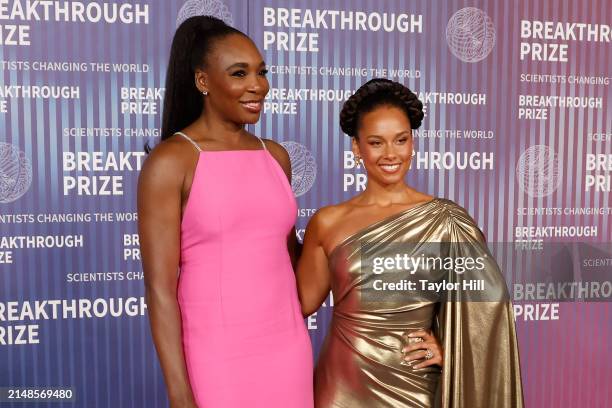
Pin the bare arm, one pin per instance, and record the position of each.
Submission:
(159, 217)
(313, 275)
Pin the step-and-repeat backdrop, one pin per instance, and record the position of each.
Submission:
(517, 130)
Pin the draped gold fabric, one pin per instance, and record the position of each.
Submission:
(361, 363)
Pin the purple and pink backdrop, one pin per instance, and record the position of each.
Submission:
(517, 130)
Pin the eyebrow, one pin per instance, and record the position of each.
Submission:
(398, 134)
(244, 65)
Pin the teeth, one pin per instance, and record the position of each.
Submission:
(390, 167)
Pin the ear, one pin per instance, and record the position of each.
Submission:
(355, 146)
(201, 80)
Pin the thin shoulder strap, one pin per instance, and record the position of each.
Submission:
(262, 143)
(190, 140)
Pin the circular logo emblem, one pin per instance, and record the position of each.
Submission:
(538, 171)
(470, 34)
(214, 8)
(15, 173)
(303, 167)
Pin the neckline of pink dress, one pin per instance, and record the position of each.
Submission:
(195, 174)
(233, 151)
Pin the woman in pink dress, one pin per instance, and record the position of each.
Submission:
(216, 223)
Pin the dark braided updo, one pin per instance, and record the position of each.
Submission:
(375, 93)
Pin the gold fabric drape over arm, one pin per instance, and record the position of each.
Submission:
(481, 366)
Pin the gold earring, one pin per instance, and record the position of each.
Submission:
(357, 160)
(410, 163)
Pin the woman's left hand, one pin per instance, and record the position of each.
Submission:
(429, 347)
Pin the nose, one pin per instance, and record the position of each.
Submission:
(390, 152)
(257, 85)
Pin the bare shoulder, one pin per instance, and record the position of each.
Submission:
(166, 162)
(327, 218)
(280, 154)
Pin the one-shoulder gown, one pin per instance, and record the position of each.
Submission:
(361, 363)
(244, 338)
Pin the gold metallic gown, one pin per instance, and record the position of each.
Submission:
(361, 363)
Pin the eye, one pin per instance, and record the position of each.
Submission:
(402, 140)
(375, 143)
(239, 74)
(263, 72)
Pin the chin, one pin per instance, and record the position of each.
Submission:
(394, 180)
(250, 119)
(385, 179)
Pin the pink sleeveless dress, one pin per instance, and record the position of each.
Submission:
(244, 338)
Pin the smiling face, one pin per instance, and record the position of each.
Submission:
(384, 142)
(235, 78)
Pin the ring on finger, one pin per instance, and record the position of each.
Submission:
(429, 354)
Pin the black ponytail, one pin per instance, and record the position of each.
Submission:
(191, 45)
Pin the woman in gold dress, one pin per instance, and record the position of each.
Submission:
(413, 346)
